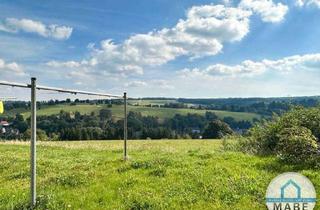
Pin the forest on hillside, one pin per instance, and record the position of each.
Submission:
(102, 124)
(263, 106)
(77, 126)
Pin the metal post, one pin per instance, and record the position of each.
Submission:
(125, 126)
(33, 142)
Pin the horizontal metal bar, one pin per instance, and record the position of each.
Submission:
(62, 90)
(14, 84)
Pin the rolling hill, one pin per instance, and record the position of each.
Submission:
(117, 111)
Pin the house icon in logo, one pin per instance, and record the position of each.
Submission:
(291, 183)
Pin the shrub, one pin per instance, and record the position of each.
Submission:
(297, 145)
(263, 138)
(41, 135)
(217, 130)
(293, 137)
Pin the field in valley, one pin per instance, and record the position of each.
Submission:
(117, 111)
(177, 174)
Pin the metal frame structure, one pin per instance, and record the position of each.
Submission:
(34, 87)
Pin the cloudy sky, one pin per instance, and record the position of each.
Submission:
(172, 48)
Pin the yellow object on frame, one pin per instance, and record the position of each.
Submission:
(1, 107)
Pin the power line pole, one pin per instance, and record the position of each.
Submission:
(125, 126)
(33, 158)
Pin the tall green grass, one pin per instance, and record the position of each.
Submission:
(181, 174)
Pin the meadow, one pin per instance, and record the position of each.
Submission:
(176, 174)
(117, 111)
(142, 102)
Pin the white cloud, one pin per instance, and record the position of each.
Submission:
(134, 84)
(12, 69)
(13, 25)
(70, 64)
(153, 84)
(225, 24)
(309, 62)
(59, 32)
(306, 62)
(292, 75)
(162, 84)
(202, 33)
(267, 9)
(302, 3)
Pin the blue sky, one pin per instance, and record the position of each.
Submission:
(222, 48)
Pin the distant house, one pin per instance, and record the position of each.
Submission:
(3, 126)
(4, 123)
(196, 131)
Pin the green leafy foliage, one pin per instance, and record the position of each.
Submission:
(294, 136)
(104, 126)
(216, 130)
(297, 145)
(41, 135)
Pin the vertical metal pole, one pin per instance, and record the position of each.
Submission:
(125, 126)
(33, 142)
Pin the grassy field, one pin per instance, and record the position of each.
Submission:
(180, 174)
(117, 111)
(151, 101)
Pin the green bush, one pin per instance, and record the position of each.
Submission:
(41, 135)
(217, 130)
(297, 145)
(293, 137)
(263, 138)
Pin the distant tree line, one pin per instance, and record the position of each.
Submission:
(263, 106)
(102, 125)
(25, 105)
